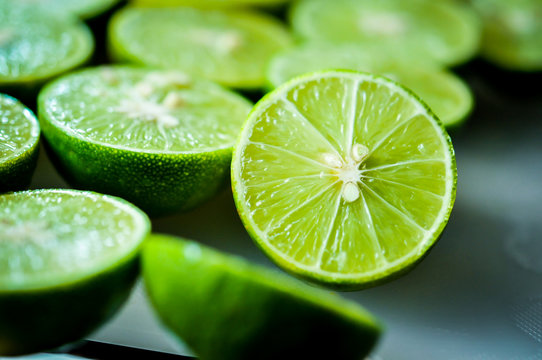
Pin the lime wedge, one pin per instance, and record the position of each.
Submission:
(210, 4)
(447, 95)
(512, 35)
(225, 308)
(157, 138)
(444, 31)
(343, 178)
(19, 144)
(36, 45)
(68, 260)
(85, 9)
(231, 48)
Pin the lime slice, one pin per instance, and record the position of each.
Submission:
(154, 137)
(443, 31)
(343, 178)
(512, 33)
(225, 308)
(19, 144)
(210, 4)
(447, 95)
(85, 9)
(231, 48)
(68, 260)
(36, 45)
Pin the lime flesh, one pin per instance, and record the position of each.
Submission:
(82, 8)
(19, 144)
(157, 138)
(344, 178)
(68, 260)
(231, 48)
(225, 308)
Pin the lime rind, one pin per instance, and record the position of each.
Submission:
(346, 281)
(56, 254)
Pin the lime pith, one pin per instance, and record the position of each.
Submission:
(344, 178)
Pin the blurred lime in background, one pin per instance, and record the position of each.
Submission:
(210, 4)
(84, 9)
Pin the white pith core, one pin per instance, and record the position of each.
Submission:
(36, 232)
(383, 24)
(224, 42)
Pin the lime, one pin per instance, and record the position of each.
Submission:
(447, 95)
(231, 48)
(210, 4)
(36, 45)
(443, 31)
(68, 260)
(512, 35)
(343, 178)
(225, 308)
(157, 138)
(84, 9)
(19, 144)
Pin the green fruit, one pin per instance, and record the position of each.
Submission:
(210, 4)
(19, 144)
(68, 261)
(343, 178)
(225, 308)
(157, 138)
(84, 9)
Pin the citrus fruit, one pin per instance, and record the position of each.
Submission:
(231, 48)
(447, 95)
(36, 45)
(210, 4)
(343, 178)
(19, 144)
(225, 308)
(443, 31)
(84, 9)
(157, 138)
(512, 36)
(68, 260)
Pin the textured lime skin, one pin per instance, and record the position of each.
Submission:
(342, 284)
(225, 308)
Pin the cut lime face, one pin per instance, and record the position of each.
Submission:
(447, 95)
(512, 33)
(231, 48)
(443, 31)
(36, 45)
(210, 4)
(84, 9)
(157, 138)
(343, 178)
(68, 260)
(225, 308)
(19, 144)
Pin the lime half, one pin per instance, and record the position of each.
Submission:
(447, 95)
(157, 138)
(68, 260)
(231, 48)
(225, 308)
(344, 178)
(85, 9)
(444, 31)
(36, 45)
(210, 4)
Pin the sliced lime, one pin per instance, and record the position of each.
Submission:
(447, 95)
(68, 260)
(19, 144)
(157, 138)
(231, 48)
(84, 9)
(225, 308)
(344, 178)
(210, 4)
(444, 31)
(36, 45)
(512, 33)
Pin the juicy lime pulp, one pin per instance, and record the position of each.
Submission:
(210, 4)
(447, 95)
(36, 45)
(343, 178)
(444, 31)
(231, 48)
(19, 142)
(57, 237)
(226, 308)
(157, 138)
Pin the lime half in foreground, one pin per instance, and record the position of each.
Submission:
(344, 178)
(227, 309)
(68, 260)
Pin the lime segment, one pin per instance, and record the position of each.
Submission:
(343, 178)
(231, 48)
(225, 308)
(19, 143)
